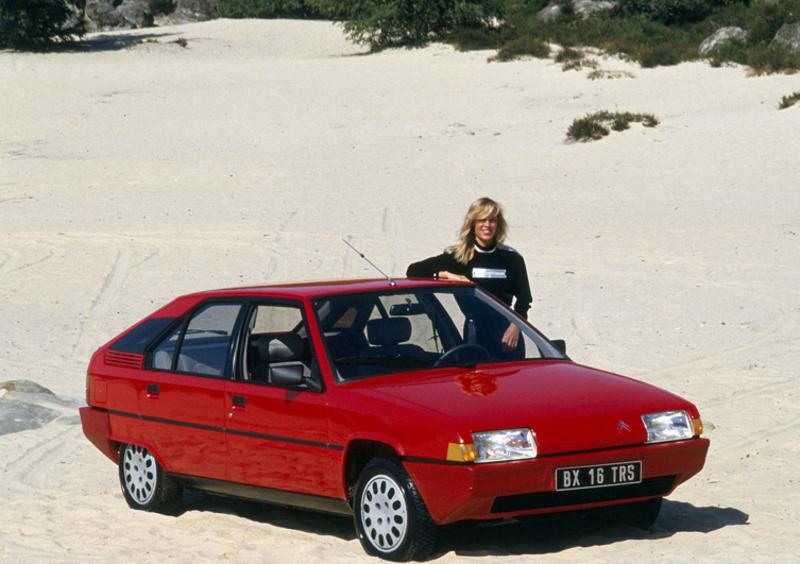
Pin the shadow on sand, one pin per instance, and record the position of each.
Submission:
(109, 41)
(470, 539)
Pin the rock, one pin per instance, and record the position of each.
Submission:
(26, 405)
(721, 36)
(583, 8)
(16, 417)
(24, 386)
(789, 35)
(106, 15)
(137, 12)
(550, 13)
(187, 11)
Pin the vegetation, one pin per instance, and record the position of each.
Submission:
(596, 126)
(36, 24)
(789, 101)
(650, 32)
(266, 9)
(161, 7)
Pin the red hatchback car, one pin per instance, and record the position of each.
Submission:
(395, 402)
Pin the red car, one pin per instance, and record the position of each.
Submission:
(395, 402)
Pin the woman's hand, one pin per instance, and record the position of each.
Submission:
(444, 275)
(510, 338)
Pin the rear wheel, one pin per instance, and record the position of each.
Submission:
(391, 519)
(144, 483)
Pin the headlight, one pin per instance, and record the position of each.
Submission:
(668, 426)
(509, 444)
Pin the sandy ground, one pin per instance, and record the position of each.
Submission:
(137, 170)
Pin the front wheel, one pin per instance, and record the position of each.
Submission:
(144, 483)
(391, 518)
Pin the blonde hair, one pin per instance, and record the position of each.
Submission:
(482, 208)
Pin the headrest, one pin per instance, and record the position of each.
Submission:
(281, 348)
(391, 331)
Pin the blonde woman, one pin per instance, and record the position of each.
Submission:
(481, 258)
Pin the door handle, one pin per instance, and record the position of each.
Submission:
(153, 389)
(240, 401)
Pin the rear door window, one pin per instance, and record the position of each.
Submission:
(206, 344)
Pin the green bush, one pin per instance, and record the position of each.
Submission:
(265, 9)
(522, 47)
(671, 11)
(31, 24)
(161, 7)
(596, 126)
(772, 58)
(383, 23)
(789, 101)
(764, 19)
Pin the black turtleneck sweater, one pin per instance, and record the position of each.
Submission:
(499, 271)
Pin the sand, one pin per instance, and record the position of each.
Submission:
(137, 169)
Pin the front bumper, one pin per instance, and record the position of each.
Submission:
(510, 489)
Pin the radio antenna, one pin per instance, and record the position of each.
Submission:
(391, 282)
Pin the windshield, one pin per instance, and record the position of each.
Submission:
(376, 333)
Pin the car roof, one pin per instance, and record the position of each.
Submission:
(324, 288)
(298, 291)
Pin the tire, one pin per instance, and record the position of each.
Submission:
(144, 483)
(391, 518)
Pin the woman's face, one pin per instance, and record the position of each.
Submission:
(485, 230)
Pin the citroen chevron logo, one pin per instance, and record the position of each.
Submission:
(622, 427)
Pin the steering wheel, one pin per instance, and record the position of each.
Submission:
(458, 348)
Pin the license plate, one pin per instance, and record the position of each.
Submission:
(600, 476)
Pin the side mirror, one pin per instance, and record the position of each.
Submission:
(290, 375)
(561, 345)
(287, 375)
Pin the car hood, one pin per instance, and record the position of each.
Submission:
(569, 407)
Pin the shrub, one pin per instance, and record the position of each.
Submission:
(26, 24)
(265, 9)
(789, 101)
(772, 58)
(476, 39)
(595, 126)
(671, 11)
(161, 7)
(764, 19)
(383, 23)
(522, 47)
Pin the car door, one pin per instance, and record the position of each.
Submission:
(182, 400)
(277, 436)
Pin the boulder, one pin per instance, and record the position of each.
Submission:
(137, 12)
(550, 13)
(583, 8)
(187, 11)
(789, 35)
(721, 36)
(106, 15)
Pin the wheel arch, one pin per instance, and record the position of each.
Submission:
(358, 453)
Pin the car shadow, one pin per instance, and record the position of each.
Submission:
(546, 536)
(559, 534)
(313, 522)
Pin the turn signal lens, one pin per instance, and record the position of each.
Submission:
(461, 453)
(698, 427)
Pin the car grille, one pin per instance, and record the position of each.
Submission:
(544, 500)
